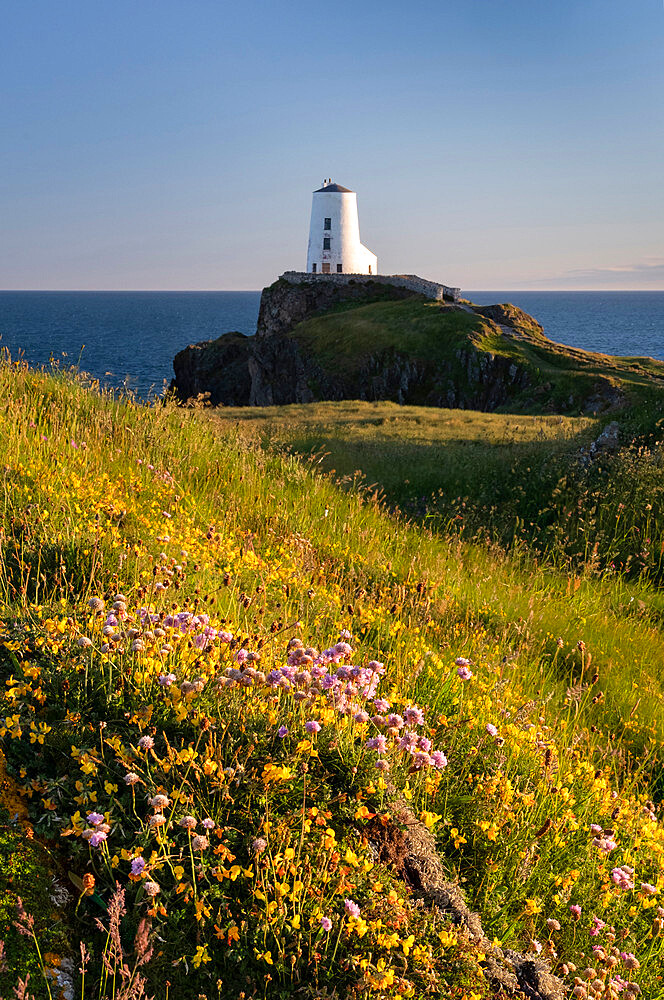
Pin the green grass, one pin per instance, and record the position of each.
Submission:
(453, 341)
(178, 513)
(413, 452)
(513, 478)
(424, 330)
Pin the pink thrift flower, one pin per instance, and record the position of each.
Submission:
(461, 661)
(351, 908)
(137, 866)
(414, 716)
(94, 819)
(408, 742)
(97, 838)
(312, 726)
(464, 673)
(622, 877)
(326, 924)
(281, 732)
(575, 910)
(605, 844)
(421, 759)
(491, 729)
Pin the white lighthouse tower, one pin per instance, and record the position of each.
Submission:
(334, 234)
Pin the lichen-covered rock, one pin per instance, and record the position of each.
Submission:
(406, 845)
(515, 319)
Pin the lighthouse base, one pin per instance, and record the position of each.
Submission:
(430, 289)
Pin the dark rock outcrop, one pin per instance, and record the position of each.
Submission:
(270, 369)
(215, 367)
(284, 305)
(276, 371)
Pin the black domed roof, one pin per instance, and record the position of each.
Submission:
(334, 187)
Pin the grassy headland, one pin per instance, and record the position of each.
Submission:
(164, 733)
(460, 347)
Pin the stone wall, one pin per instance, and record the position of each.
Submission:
(431, 289)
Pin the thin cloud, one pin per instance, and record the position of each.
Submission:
(652, 268)
(647, 272)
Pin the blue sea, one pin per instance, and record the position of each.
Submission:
(129, 339)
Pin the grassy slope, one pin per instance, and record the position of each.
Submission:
(516, 478)
(341, 339)
(413, 452)
(94, 491)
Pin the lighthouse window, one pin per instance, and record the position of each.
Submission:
(328, 224)
(326, 243)
(313, 268)
(339, 271)
(326, 268)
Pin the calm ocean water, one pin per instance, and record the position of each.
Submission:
(131, 337)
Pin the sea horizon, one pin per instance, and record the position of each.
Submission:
(214, 291)
(128, 339)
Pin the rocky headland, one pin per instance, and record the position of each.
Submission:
(368, 340)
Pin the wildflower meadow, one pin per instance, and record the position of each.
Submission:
(262, 737)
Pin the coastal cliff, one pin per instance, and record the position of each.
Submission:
(369, 341)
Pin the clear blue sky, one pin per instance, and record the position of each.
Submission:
(175, 144)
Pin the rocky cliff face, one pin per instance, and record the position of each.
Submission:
(270, 369)
(278, 366)
(276, 371)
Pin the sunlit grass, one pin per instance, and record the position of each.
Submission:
(180, 515)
